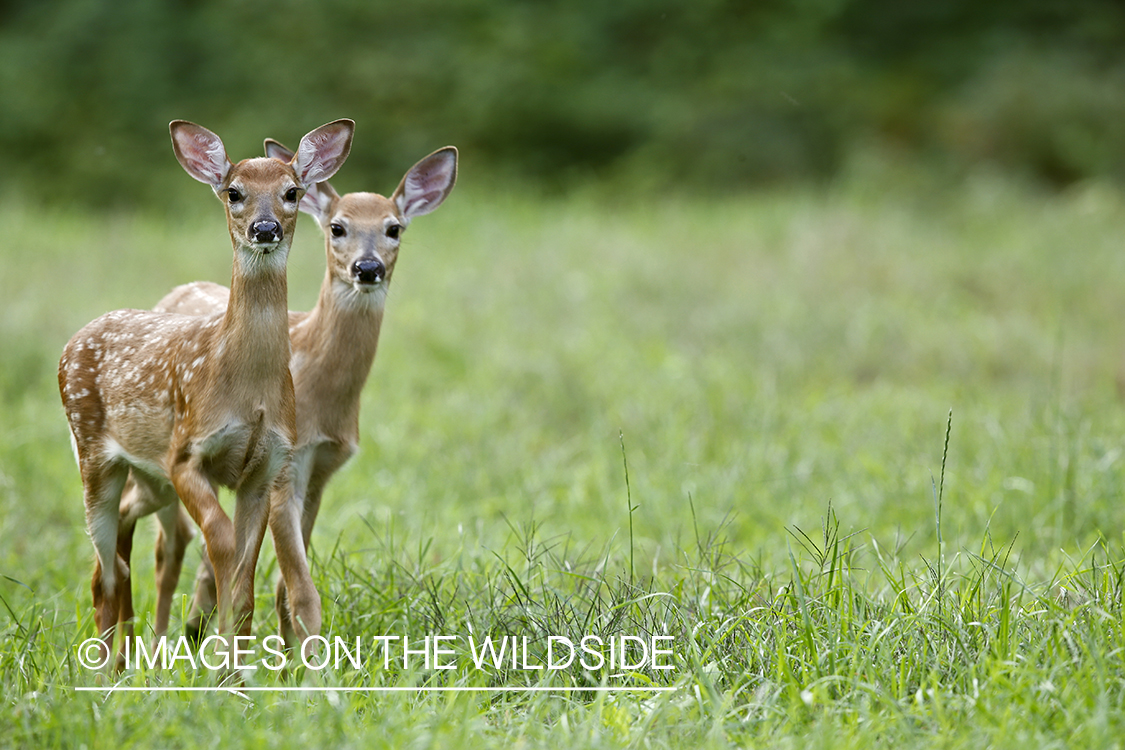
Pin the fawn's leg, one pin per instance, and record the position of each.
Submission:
(102, 484)
(205, 600)
(202, 504)
(298, 603)
(307, 498)
(173, 535)
(251, 514)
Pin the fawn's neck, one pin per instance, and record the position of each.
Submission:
(254, 332)
(337, 343)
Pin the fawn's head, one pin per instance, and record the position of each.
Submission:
(261, 195)
(363, 230)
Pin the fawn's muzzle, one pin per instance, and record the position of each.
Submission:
(265, 232)
(369, 270)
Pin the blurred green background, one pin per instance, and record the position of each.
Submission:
(708, 94)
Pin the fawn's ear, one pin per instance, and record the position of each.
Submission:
(317, 200)
(200, 152)
(275, 150)
(322, 152)
(427, 184)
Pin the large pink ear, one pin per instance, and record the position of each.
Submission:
(427, 184)
(317, 200)
(200, 152)
(322, 152)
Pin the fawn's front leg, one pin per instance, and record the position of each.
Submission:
(311, 477)
(302, 617)
(251, 515)
(202, 504)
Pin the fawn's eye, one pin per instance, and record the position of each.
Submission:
(336, 229)
(291, 194)
(393, 231)
(233, 195)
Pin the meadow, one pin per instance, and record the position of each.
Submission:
(857, 447)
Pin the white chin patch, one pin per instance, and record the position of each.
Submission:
(372, 294)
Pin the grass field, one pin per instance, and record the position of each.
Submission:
(873, 443)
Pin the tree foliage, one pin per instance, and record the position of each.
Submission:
(716, 93)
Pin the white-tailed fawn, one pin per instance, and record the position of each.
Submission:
(184, 404)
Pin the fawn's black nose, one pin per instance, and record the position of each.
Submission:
(265, 231)
(369, 270)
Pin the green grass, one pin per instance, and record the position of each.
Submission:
(777, 371)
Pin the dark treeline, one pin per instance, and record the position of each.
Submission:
(714, 93)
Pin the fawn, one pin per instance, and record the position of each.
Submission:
(333, 349)
(183, 404)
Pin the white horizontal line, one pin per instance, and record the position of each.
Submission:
(448, 689)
